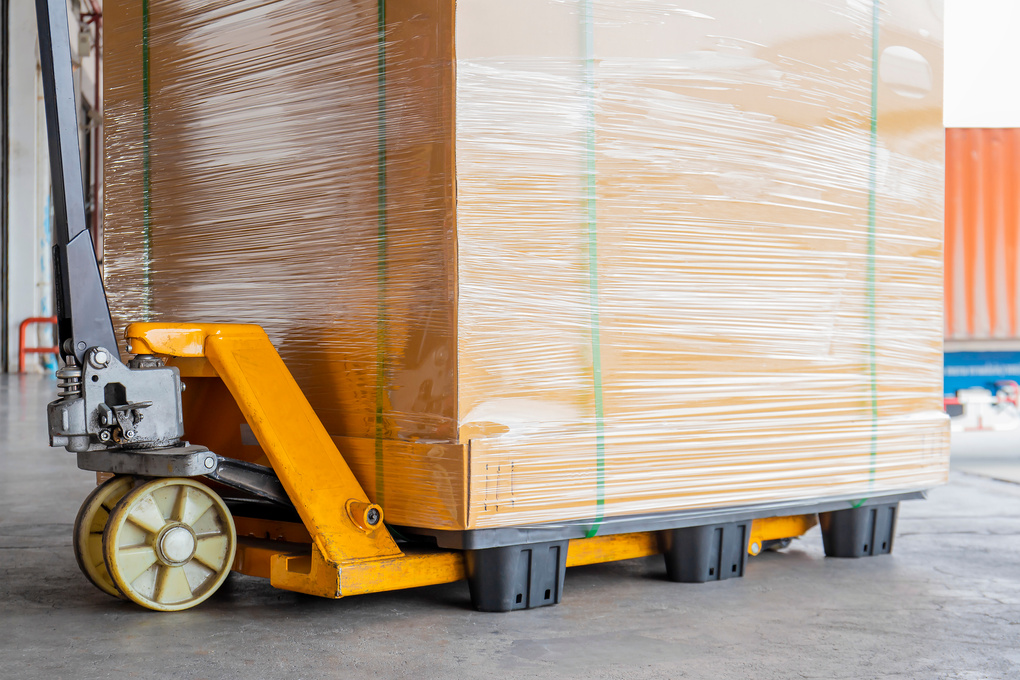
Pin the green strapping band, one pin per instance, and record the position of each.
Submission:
(872, 190)
(146, 169)
(380, 328)
(876, 12)
(593, 282)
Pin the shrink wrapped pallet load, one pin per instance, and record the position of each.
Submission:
(552, 262)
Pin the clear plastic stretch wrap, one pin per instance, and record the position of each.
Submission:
(551, 260)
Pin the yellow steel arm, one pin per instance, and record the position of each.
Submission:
(322, 487)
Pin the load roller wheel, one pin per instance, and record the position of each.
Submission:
(88, 531)
(169, 544)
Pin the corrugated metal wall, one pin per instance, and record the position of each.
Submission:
(982, 233)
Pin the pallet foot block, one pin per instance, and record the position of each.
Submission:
(517, 576)
(708, 553)
(859, 532)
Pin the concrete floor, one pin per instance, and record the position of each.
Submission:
(989, 454)
(946, 604)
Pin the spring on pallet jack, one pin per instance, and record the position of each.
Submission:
(69, 382)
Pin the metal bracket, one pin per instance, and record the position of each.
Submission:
(177, 461)
(189, 461)
(103, 405)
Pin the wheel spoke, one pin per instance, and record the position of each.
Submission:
(172, 585)
(194, 505)
(182, 498)
(133, 562)
(146, 514)
(94, 545)
(212, 551)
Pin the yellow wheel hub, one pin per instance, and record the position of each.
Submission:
(88, 531)
(170, 544)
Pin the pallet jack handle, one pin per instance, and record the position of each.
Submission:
(82, 311)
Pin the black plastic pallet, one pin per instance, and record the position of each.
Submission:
(530, 574)
(478, 539)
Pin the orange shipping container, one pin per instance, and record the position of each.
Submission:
(982, 234)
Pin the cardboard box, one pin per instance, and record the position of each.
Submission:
(560, 259)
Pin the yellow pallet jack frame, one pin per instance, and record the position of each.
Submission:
(336, 551)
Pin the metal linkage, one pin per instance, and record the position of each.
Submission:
(258, 480)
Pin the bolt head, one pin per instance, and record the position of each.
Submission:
(81, 345)
(99, 358)
(755, 548)
(104, 435)
(129, 434)
(209, 463)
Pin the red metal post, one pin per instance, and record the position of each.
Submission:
(22, 350)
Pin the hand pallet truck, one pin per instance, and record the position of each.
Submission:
(164, 530)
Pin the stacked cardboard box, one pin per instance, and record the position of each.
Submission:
(553, 260)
